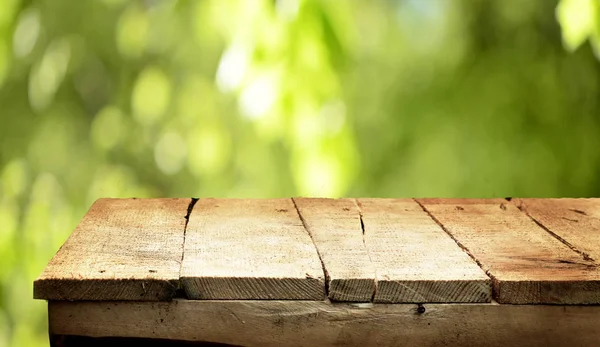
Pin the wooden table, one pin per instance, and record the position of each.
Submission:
(325, 272)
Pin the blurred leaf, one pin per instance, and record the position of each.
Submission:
(48, 74)
(132, 31)
(26, 32)
(576, 18)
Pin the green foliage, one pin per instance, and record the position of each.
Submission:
(580, 20)
(280, 98)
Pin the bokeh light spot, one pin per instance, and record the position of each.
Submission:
(132, 31)
(318, 174)
(210, 148)
(151, 95)
(258, 97)
(288, 9)
(232, 68)
(576, 18)
(333, 116)
(26, 33)
(49, 73)
(195, 101)
(108, 128)
(170, 153)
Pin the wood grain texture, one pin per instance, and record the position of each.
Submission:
(335, 227)
(250, 249)
(576, 222)
(318, 323)
(123, 249)
(415, 260)
(526, 263)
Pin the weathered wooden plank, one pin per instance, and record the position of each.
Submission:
(250, 249)
(123, 249)
(318, 323)
(526, 263)
(576, 222)
(335, 227)
(415, 260)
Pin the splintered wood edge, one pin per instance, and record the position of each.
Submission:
(312, 323)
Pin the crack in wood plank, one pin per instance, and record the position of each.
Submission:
(462, 247)
(362, 226)
(325, 273)
(180, 291)
(523, 207)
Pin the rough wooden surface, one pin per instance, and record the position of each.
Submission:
(318, 323)
(250, 249)
(416, 261)
(123, 249)
(527, 264)
(575, 222)
(335, 227)
(535, 251)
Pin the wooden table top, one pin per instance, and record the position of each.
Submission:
(519, 251)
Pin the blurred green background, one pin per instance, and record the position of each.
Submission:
(282, 98)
